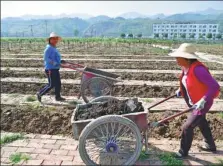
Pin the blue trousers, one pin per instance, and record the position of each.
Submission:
(54, 81)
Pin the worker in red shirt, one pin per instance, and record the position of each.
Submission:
(198, 88)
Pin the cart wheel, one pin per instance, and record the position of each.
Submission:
(104, 98)
(95, 87)
(110, 140)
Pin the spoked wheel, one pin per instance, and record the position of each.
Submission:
(95, 87)
(110, 140)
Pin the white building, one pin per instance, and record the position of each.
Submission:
(186, 30)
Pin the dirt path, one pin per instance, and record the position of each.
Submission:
(64, 74)
(148, 65)
(108, 70)
(172, 104)
(77, 82)
(69, 56)
(204, 56)
(102, 60)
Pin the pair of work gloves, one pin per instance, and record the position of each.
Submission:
(197, 106)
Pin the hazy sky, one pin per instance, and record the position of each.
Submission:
(110, 8)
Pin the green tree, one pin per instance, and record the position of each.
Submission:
(156, 35)
(175, 36)
(209, 35)
(123, 35)
(183, 36)
(192, 36)
(218, 36)
(200, 36)
(130, 35)
(76, 32)
(139, 35)
(165, 35)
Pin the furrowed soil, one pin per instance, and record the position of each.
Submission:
(44, 120)
(93, 56)
(124, 76)
(173, 127)
(150, 65)
(143, 91)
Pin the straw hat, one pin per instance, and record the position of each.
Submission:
(186, 50)
(53, 34)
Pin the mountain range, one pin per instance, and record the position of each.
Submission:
(128, 15)
(102, 25)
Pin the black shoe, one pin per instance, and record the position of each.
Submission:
(60, 99)
(38, 97)
(180, 155)
(204, 148)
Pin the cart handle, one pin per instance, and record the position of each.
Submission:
(154, 124)
(170, 97)
(69, 63)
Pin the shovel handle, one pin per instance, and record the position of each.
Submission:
(175, 115)
(170, 97)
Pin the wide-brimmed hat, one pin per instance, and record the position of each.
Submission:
(186, 50)
(53, 34)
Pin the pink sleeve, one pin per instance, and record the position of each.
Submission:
(205, 77)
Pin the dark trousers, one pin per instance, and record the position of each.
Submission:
(53, 76)
(188, 132)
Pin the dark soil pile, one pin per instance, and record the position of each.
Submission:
(36, 120)
(95, 110)
(172, 129)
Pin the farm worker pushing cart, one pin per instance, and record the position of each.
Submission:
(199, 89)
(52, 62)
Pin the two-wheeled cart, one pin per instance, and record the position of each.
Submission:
(94, 83)
(113, 139)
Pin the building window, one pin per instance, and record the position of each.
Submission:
(194, 26)
(204, 26)
(214, 30)
(210, 26)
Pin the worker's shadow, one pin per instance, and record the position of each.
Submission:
(154, 153)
